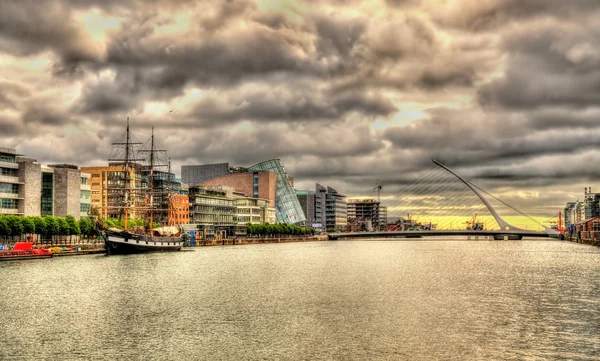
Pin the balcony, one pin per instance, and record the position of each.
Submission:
(9, 165)
(10, 196)
(9, 211)
(85, 187)
(9, 179)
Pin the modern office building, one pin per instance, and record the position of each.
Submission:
(307, 203)
(253, 210)
(259, 184)
(196, 174)
(287, 207)
(30, 189)
(66, 190)
(330, 208)
(254, 182)
(85, 202)
(106, 186)
(592, 203)
(12, 190)
(212, 212)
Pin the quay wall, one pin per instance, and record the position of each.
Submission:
(261, 240)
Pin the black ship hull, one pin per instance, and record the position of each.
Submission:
(128, 243)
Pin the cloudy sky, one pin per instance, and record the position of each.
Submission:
(346, 93)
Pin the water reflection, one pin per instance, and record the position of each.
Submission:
(414, 300)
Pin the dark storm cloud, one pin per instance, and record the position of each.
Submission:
(549, 64)
(281, 105)
(325, 88)
(28, 27)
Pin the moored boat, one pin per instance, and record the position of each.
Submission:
(162, 239)
(23, 251)
(140, 239)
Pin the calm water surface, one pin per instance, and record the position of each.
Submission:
(359, 300)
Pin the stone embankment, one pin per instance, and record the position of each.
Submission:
(590, 241)
(256, 240)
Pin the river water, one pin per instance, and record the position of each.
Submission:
(343, 300)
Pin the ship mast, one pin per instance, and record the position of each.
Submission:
(126, 177)
(154, 161)
(124, 158)
(151, 179)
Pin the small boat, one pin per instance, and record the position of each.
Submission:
(24, 250)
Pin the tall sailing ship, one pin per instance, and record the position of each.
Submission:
(140, 190)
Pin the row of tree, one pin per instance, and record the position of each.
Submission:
(46, 227)
(267, 229)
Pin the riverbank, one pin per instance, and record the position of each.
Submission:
(591, 242)
(253, 240)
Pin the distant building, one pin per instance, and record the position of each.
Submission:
(28, 188)
(179, 209)
(85, 200)
(367, 214)
(212, 212)
(106, 187)
(196, 174)
(330, 208)
(307, 203)
(66, 190)
(286, 203)
(108, 182)
(259, 184)
(569, 214)
(592, 204)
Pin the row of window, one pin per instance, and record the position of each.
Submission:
(9, 188)
(8, 158)
(9, 204)
(9, 172)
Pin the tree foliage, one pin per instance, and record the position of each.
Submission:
(277, 229)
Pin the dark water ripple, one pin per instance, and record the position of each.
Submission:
(371, 300)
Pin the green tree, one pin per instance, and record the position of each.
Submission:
(73, 226)
(28, 225)
(15, 225)
(51, 227)
(86, 227)
(63, 227)
(40, 226)
(4, 228)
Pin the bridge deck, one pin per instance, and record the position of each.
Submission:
(408, 234)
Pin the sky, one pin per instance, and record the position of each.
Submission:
(349, 94)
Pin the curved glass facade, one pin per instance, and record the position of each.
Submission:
(287, 206)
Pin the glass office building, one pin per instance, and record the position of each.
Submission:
(287, 206)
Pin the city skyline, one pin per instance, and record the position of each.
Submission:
(346, 93)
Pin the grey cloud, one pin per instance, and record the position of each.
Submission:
(281, 105)
(549, 64)
(490, 15)
(31, 27)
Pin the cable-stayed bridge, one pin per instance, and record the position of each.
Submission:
(442, 203)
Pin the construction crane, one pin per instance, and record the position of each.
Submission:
(473, 225)
(377, 190)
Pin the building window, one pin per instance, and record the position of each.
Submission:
(47, 208)
(9, 188)
(255, 185)
(10, 204)
(9, 172)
